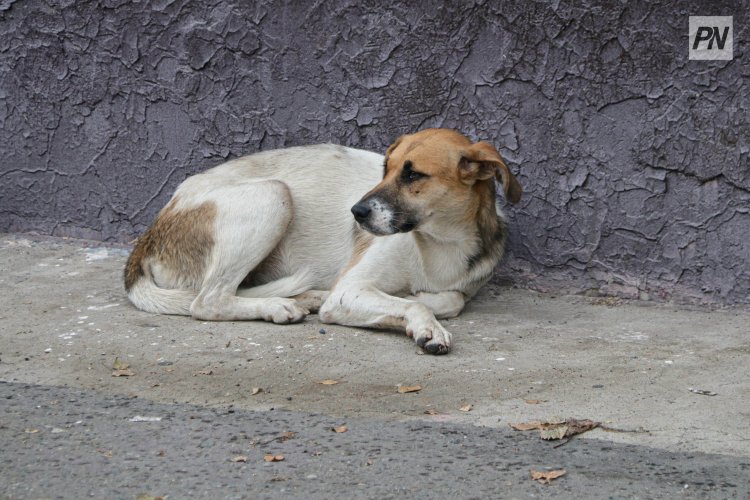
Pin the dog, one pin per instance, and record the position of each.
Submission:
(271, 237)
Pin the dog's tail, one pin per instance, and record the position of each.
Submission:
(148, 296)
(289, 286)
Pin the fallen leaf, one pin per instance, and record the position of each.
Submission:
(123, 373)
(579, 426)
(402, 389)
(340, 429)
(273, 458)
(239, 458)
(534, 401)
(555, 428)
(120, 365)
(106, 453)
(144, 496)
(548, 476)
(369, 462)
(430, 412)
(329, 382)
(257, 390)
(204, 372)
(466, 407)
(31, 431)
(526, 426)
(555, 432)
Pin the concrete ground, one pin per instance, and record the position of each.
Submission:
(519, 356)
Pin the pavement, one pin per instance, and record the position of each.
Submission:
(670, 386)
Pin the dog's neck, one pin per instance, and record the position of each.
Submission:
(477, 246)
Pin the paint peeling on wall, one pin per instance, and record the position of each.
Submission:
(635, 161)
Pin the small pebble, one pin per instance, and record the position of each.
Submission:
(322, 331)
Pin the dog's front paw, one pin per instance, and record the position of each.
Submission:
(282, 311)
(432, 337)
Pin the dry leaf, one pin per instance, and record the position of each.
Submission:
(369, 462)
(31, 431)
(340, 429)
(430, 412)
(526, 426)
(556, 432)
(329, 382)
(287, 435)
(123, 373)
(239, 458)
(120, 365)
(144, 496)
(106, 453)
(548, 476)
(466, 407)
(555, 428)
(402, 389)
(579, 426)
(273, 458)
(204, 372)
(257, 390)
(534, 401)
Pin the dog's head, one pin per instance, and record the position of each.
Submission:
(432, 180)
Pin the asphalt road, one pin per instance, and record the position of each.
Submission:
(72, 443)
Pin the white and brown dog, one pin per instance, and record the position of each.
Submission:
(269, 236)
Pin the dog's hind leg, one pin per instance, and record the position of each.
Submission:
(312, 299)
(251, 220)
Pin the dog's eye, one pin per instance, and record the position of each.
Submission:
(408, 175)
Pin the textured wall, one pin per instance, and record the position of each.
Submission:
(635, 161)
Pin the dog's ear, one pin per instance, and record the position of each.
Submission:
(481, 161)
(388, 153)
(394, 146)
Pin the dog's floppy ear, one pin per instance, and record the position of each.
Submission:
(388, 153)
(393, 146)
(482, 161)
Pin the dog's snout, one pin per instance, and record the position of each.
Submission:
(361, 211)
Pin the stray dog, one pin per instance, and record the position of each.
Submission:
(269, 236)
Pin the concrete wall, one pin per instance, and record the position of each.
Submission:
(635, 161)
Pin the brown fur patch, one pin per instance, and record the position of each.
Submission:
(491, 228)
(180, 240)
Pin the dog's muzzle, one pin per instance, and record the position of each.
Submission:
(361, 212)
(380, 217)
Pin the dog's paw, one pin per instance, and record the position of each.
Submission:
(432, 337)
(283, 311)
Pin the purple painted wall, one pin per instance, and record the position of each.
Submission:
(635, 161)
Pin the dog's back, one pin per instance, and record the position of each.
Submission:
(322, 182)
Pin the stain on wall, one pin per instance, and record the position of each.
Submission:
(635, 161)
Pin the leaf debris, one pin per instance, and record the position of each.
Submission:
(546, 477)
(403, 389)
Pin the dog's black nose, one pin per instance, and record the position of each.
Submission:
(361, 211)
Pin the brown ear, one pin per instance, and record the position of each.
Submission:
(482, 161)
(394, 146)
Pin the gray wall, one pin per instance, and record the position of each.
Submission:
(634, 159)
